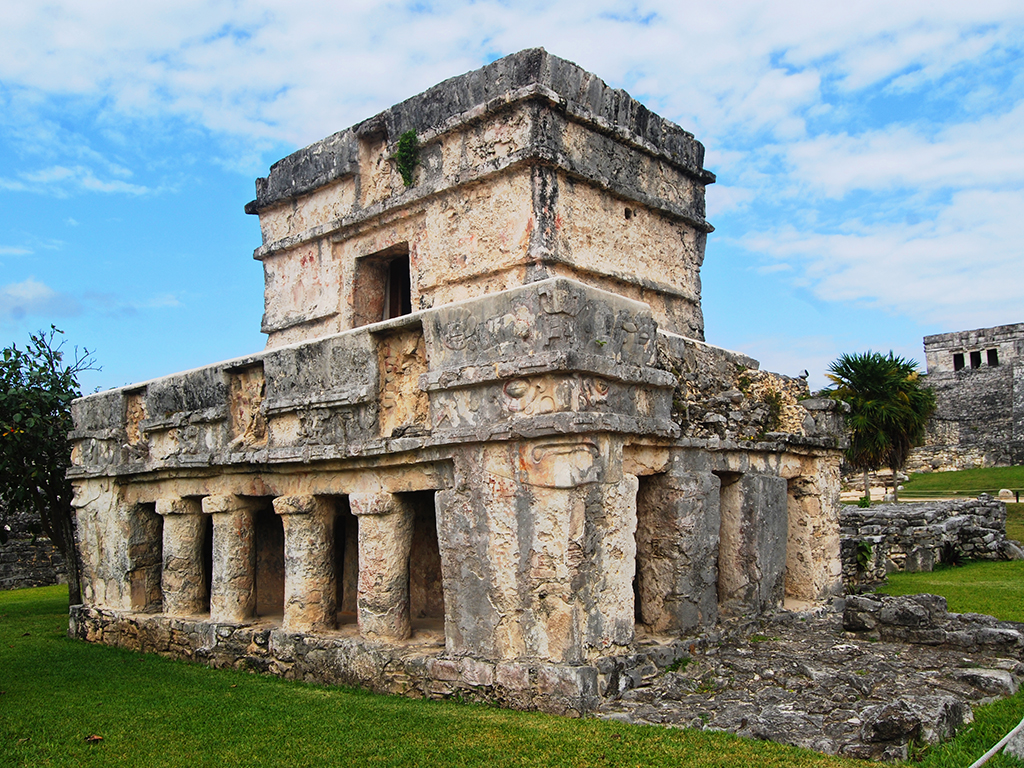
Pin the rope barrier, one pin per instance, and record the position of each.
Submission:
(1002, 743)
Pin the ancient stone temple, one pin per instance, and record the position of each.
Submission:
(978, 379)
(486, 449)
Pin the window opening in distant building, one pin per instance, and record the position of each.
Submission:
(958, 361)
(993, 357)
(975, 359)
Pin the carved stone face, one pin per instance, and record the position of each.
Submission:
(459, 331)
(560, 463)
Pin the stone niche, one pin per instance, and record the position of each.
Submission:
(486, 451)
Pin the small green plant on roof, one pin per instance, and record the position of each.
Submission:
(773, 399)
(864, 502)
(679, 664)
(407, 156)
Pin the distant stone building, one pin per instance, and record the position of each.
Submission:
(27, 557)
(978, 379)
(486, 450)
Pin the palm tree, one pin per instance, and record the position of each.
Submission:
(889, 409)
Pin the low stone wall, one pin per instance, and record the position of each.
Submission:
(418, 668)
(925, 620)
(914, 537)
(29, 559)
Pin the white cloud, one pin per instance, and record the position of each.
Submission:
(299, 70)
(59, 180)
(784, 94)
(31, 297)
(985, 152)
(961, 269)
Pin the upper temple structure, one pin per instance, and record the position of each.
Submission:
(486, 450)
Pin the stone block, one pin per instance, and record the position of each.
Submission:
(919, 559)
(568, 682)
(994, 682)
(443, 669)
(1015, 746)
(514, 677)
(476, 672)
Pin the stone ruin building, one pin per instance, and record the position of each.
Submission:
(27, 557)
(486, 450)
(978, 379)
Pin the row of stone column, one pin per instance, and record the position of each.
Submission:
(310, 582)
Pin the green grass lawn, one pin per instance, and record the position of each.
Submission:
(1015, 522)
(965, 482)
(155, 712)
(995, 588)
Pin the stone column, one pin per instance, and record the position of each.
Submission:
(183, 581)
(233, 588)
(309, 579)
(813, 567)
(537, 550)
(678, 521)
(385, 538)
(604, 601)
(752, 544)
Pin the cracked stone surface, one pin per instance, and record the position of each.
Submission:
(800, 679)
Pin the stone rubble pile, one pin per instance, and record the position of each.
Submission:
(722, 394)
(804, 680)
(883, 538)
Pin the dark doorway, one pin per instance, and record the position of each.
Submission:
(269, 540)
(346, 560)
(426, 595)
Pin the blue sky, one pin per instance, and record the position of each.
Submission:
(870, 158)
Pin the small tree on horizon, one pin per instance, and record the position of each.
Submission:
(37, 386)
(889, 410)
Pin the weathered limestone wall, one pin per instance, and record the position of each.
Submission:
(120, 543)
(419, 668)
(979, 415)
(678, 528)
(916, 536)
(925, 619)
(540, 536)
(813, 571)
(1006, 341)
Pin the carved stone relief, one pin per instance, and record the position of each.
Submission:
(135, 413)
(329, 426)
(560, 463)
(248, 422)
(403, 358)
